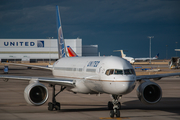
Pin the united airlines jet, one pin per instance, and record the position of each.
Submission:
(91, 75)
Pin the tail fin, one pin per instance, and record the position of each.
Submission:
(71, 52)
(61, 44)
(122, 54)
(157, 56)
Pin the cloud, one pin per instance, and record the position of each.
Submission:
(122, 11)
(92, 20)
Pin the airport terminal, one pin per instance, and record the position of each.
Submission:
(35, 50)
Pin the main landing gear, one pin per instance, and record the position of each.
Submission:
(114, 106)
(55, 105)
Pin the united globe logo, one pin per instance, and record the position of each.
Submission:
(40, 43)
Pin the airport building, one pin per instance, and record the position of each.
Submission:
(35, 50)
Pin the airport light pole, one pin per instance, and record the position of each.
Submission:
(166, 52)
(176, 48)
(50, 50)
(150, 47)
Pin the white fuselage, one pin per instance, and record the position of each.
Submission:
(130, 59)
(112, 75)
(145, 59)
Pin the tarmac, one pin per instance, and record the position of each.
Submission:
(82, 106)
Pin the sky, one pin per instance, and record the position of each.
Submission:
(110, 24)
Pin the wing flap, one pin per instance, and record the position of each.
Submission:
(35, 66)
(157, 76)
(56, 81)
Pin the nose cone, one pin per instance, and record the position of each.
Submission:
(126, 86)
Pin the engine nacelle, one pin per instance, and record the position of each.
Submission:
(149, 92)
(36, 93)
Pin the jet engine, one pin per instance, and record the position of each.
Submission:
(149, 92)
(36, 94)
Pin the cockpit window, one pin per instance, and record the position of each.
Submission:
(107, 72)
(129, 71)
(111, 71)
(120, 72)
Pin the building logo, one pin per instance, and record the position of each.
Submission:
(40, 43)
(15, 44)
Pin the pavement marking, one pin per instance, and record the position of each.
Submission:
(109, 118)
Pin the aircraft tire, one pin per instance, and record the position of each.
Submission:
(112, 113)
(117, 113)
(50, 106)
(110, 105)
(119, 105)
(58, 106)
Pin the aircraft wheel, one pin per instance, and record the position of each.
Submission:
(58, 106)
(110, 105)
(119, 105)
(117, 113)
(112, 113)
(50, 106)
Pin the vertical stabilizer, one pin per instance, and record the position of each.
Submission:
(71, 52)
(156, 57)
(122, 54)
(61, 44)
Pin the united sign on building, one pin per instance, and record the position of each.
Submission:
(26, 49)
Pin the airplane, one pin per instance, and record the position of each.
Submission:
(177, 49)
(130, 59)
(91, 75)
(146, 59)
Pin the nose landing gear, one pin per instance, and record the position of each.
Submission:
(114, 106)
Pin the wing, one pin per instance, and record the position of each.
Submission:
(57, 81)
(35, 66)
(157, 76)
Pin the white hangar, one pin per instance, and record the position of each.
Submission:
(35, 50)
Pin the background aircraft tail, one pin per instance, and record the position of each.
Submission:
(71, 52)
(157, 56)
(122, 54)
(61, 44)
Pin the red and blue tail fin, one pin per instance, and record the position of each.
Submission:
(61, 44)
(71, 52)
